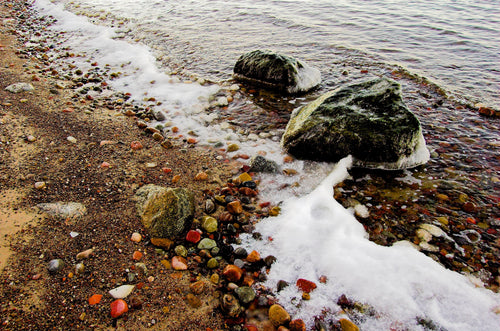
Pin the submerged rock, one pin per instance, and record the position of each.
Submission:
(165, 212)
(19, 87)
(63, 210)
(276, 71)
(367, 120)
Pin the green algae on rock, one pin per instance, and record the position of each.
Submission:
(368, 120)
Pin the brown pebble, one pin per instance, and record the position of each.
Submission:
(198, 287)
(469, 207)
(234, 207)
(278, 315)
(232, 273)
(193, 300)
(254, 256)
(162, 242)
(347, 325)
(297, 325)
(201, 176)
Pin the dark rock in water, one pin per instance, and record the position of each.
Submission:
(165, 212)
(55, 265)
(245, 294)
(276, 71)
(261, 164)
(368, 120)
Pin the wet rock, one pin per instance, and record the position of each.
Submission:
(254, 256)
(207, 244)
(193, 236)
(245, 294)
(180, 250)
(165, 212)
(193, 300)
(261, 164)
(55, 265)
(347, 325)
(276, 71)
(64, 210)
(209, 224)
(19, 87)
(230, 305)
(179, 263)
(118, 308)
(278, 315)
(121, 292)
(209, 206)
(305, 285)
(234, 207)
(367, 120)
(212, 263)
(297, 325)
(232, 273)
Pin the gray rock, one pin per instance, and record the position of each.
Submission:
(367, 120)
(64, 210)
(55, 265)
(276, 71)
(165, 212)
(261, 164)
(245, 294)
(19, 87)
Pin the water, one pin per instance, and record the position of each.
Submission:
(455, 44)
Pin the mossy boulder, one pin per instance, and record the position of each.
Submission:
(165, 212)
(276, 71)
(368, 120)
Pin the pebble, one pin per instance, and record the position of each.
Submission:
(232, 273)
(179, 263)
(198, 287)
(361, 211)
(230, 305)
(432, 229)
(193, 236)
(278, 315)
(95, 299)
(209, 224)
(193, 300)
(141, 267)
(85, 254)
(254, 256)
(347, 325)
(40, 185)
(30, 138)
(162, 242)
(232, 148)
(79, 268)
(136, 256)
(209, 206)
(234, 207)
(180, 250)
(55, 265)
(136, 237)
(212, 263)
(207, 243)
(71, 139)
(297, 325)
(305, 285)
(201, 176)
(136, 145)
(261, 164)
(118, 308)
(122, 291)
(19, 87)
(245, 294)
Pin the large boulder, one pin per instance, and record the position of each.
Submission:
(165, 212)
(276, 71)
(367, 120)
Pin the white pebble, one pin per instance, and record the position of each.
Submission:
(136, 237)
(121, 292)
(71, 139)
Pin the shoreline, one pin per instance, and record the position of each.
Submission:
(103, 171)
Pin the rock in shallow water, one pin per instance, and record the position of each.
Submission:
(55, 265)
(19, 87)
(367, 120)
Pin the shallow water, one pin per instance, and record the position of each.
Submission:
(455, 44)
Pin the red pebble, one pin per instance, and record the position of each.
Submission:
(193, 236)
(137, 255)
(305, 285)
(297, 325)
(118, 308)
(250, 327)
(136, 145)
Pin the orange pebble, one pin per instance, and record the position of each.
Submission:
(137, 255)
(95, 299)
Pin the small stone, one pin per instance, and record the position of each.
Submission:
(85, 254)
(244, 177)
(136, 145)
(232, 148)
(167, 144)
(136, 237)
(212, 263)
(278, 315)
(193, 300)
(118, 308)
(305, 285)
(179, 263)
(121, 292)
(209, 224)
(254, 256)
(234, 207)
(198, 287)
(230, 305)
(201, 176)
(215, 279)
(162, 242)
(232, 273)
(79, 268)
(347, 325)
(137, 255)
(469, 207)
(142, 268)
(261, 164)
(281, 285)
(210, 206)
(71, 139)
(443, 220)
(207, 243)
(19, 87)
(297, 325)
(151, 165)
(275, 211)
(193, 236)
(306, 296)
(361, 211)
(40, 185)
(55, 265)
(245, 294)
(181, 250)
(157, 136)
(432, 229)
(95, 299)
(30, 138)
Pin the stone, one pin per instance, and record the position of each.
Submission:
(276, 71)
(230, 305)
(207, 244)
(305, 285)
(193, 236)
(121, 292)
(432, 229)
(193, 300)
(232, 273)
(234, 207)
(20, 87)
(79, 268)
(347, 325)
(180, 250)
(95, 299)
(162, 242)
(209, 224)
(198, 287)
(210, 206)
(165, 212)
(179, 263)
(232, 148)
(212, 263)
(297, 325)
(136, 237)
(254, 256)
(55, 265)
(118, 308)
(278, 315)
(85, 254)
(367, 120)
(40, 185)
(245, 294)
(137, 255)
(71, 139)
(64, 210)
(261, 164)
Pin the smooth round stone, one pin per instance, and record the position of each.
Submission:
(136, 237)
(241, 252)
(245, 294)
(209, 206)
(55, 265)
(209, 224)
(215, 250)
(212, 263)
(181, 250)
(179, 263)
(141, 267)
(207, 243)
(239, 263)
(278, 315)
(79, 268)
(118, 308)
(432, 229)
(121, 292)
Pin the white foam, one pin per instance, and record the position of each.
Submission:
(316, 236)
